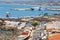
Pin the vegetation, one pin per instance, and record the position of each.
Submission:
(34, 24)
(45, 14)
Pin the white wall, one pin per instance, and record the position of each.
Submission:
(53, 24)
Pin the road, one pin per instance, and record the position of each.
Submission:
(37, 34)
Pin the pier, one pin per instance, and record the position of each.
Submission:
(22, 9)
(52, 9)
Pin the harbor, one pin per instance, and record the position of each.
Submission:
(20, 13)
(24, 21)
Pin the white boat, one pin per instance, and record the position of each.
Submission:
(23, 37)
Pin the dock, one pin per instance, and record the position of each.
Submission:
(22, 9)
(53, 9)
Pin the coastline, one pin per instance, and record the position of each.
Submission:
(20, 4)
(26, 13)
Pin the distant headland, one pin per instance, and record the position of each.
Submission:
(33, 3)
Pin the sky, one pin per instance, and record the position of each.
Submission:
(30, 0)
(15, 0)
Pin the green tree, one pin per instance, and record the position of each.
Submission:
(34, 24)
(45, 14)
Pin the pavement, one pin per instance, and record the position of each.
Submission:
(35, 34)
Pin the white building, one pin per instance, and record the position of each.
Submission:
(53, 24)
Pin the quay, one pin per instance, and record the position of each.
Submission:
(52, 9)
(22, 9)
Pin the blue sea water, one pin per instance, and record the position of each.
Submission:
(7, 8)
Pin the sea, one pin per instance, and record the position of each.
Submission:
(19, 13)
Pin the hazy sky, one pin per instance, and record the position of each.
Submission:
(15, 0)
